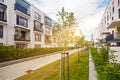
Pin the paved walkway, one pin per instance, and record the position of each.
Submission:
(13, 71)
(92, 72)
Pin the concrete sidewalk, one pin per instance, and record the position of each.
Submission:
(92, 71)
(13, 71)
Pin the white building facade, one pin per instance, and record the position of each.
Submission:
(109, 26)
(23, 25)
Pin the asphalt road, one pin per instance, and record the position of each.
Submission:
(13, 71)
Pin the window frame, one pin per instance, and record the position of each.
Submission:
(1, 31)
(22, 21)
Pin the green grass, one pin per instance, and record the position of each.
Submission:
(78, 70)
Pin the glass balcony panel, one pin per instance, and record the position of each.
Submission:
(22, 6)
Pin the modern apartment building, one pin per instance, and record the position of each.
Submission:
(23, 25)
(108, 30)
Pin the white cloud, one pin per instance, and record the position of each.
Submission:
(85, 11)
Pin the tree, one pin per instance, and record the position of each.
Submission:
(79, 39)
(64, 31)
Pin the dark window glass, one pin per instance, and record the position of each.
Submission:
(112, 18)
(118, 2)
(113, 9)
(119, 13)
(22, 21)
(48, 21)
(1, 31)
(38, 26)
(2, 12)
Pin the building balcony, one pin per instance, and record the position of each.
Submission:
(38, 26)
(22, 35)
(22, 6)
(47, 39)
(21, 38)
(109, 38)
(114, 24)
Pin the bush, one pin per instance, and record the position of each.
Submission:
(8, 53)
(105, 70)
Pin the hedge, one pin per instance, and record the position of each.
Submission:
(105, 70)
(8, 53)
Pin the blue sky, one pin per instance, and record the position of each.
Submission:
(87, 12)
(104, 3)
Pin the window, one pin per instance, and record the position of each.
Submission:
(107, 16)
(48, 21)
(112, 18)
(3, 15)
(118, 2)
(1, 31)
(113, 9)
(47, 39)
(37, 37)
(105, 20)
(37, 17)
(110, 11)
(22, 21)
(119, 13)
(38, 26)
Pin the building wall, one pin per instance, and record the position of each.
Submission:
(9, 26)
(109, 17)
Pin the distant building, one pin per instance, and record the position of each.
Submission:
(108, 30)
(23, 25)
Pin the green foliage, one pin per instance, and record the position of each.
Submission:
(105, 70)
(8, 53)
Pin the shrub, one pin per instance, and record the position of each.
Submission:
(8, 53)
(105, 70)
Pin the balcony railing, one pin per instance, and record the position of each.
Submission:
(109, 38)
(20, 38)
(22, 9)
(38, 26)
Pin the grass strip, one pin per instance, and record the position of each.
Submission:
(78, 70)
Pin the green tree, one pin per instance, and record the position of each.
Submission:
(64, 30)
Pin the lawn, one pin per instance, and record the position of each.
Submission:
(78, 70)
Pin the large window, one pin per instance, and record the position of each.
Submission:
(37, 37)
(37, 17)
(119, 13)
(1, 31)
(3, 15)
(38, 26)
(22, 21)
(48, 21)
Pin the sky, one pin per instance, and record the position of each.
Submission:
(87, 12)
